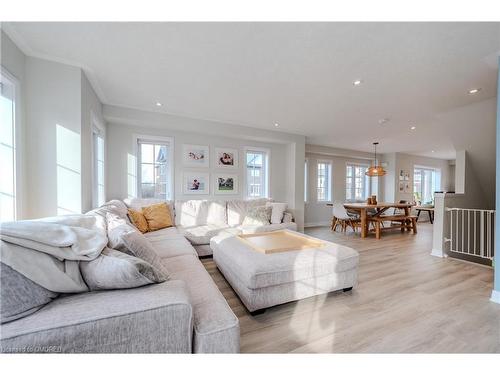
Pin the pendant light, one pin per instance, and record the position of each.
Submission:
(375, 170)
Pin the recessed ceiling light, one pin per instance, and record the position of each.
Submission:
(357, 82)
(158, 104)
(382, 121)
(276, 125)
(433, 151)
(413, 127)
(474, 91)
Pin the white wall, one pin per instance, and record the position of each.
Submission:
(53, 98)
(286, 157)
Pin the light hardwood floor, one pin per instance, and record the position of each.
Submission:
(406, 301)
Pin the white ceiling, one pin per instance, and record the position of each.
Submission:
(296, 74)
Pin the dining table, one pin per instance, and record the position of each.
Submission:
(364, 208)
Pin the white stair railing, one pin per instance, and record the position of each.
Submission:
(472, 232)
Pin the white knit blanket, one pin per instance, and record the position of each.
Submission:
(73, 237)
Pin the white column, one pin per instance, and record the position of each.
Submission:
(439, 230)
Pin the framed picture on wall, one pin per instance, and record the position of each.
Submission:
(196, 156)
(196, 183)
(401, 186)
(407, 187)
(225, 183)
(226, 157)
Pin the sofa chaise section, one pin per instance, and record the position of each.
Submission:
(216, 328)
(152, 319)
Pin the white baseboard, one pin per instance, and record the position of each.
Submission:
(495, 296)
(317, 224)
(438, 253)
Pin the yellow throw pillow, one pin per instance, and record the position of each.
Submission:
(138, 219)
(158, 216)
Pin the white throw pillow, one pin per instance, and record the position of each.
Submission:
(257, 216)
(278, 209)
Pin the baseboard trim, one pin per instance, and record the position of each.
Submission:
(438, 253)
(317, 224)
(495, 296)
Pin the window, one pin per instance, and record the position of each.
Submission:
(324, 181)
(8, 103)
(305, 180)
(155, 164)
(257, 173)
(425, 182)
(99, 188)
(357, 183)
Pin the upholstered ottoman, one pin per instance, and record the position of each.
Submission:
(263, 280)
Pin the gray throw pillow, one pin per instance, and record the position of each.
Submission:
(116, 270)
(260, 215)
(137, 245)
(117, 227)
(19, 295)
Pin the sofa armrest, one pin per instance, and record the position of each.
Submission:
(156, 318)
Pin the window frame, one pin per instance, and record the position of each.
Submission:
(436, 171)
(99, 130)
(367, 183)
(329, 197)
(306, 180)
(153, 139)
(267, 163)
(18, 134)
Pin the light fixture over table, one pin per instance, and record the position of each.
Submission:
(375, 170)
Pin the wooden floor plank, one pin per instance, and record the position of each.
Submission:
(406, 302)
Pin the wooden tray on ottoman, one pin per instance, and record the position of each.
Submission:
(279, 241)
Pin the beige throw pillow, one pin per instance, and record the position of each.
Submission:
(157, 216)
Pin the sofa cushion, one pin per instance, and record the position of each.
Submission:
(108, 321)
(258, 216)
(158, 216)
(237, 209)
(200, 212)
(138, 220)
(201, 234)
(216, 328)
(114, 269)
(168, 246)
(19, 295)
(172, 231)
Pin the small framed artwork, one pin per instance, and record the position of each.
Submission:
(226, 183)
(196, 183)
(401, 187)
(196, 156)
(226, 157)
(407, 187)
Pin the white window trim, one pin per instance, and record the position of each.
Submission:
(268, 169)
(330, 187)
(97, 127)
(357, 164)
(435, 169)
(307, 173)
(18, 136)
(171, 153)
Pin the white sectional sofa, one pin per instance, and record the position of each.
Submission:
(201, 220)
(185, 314)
